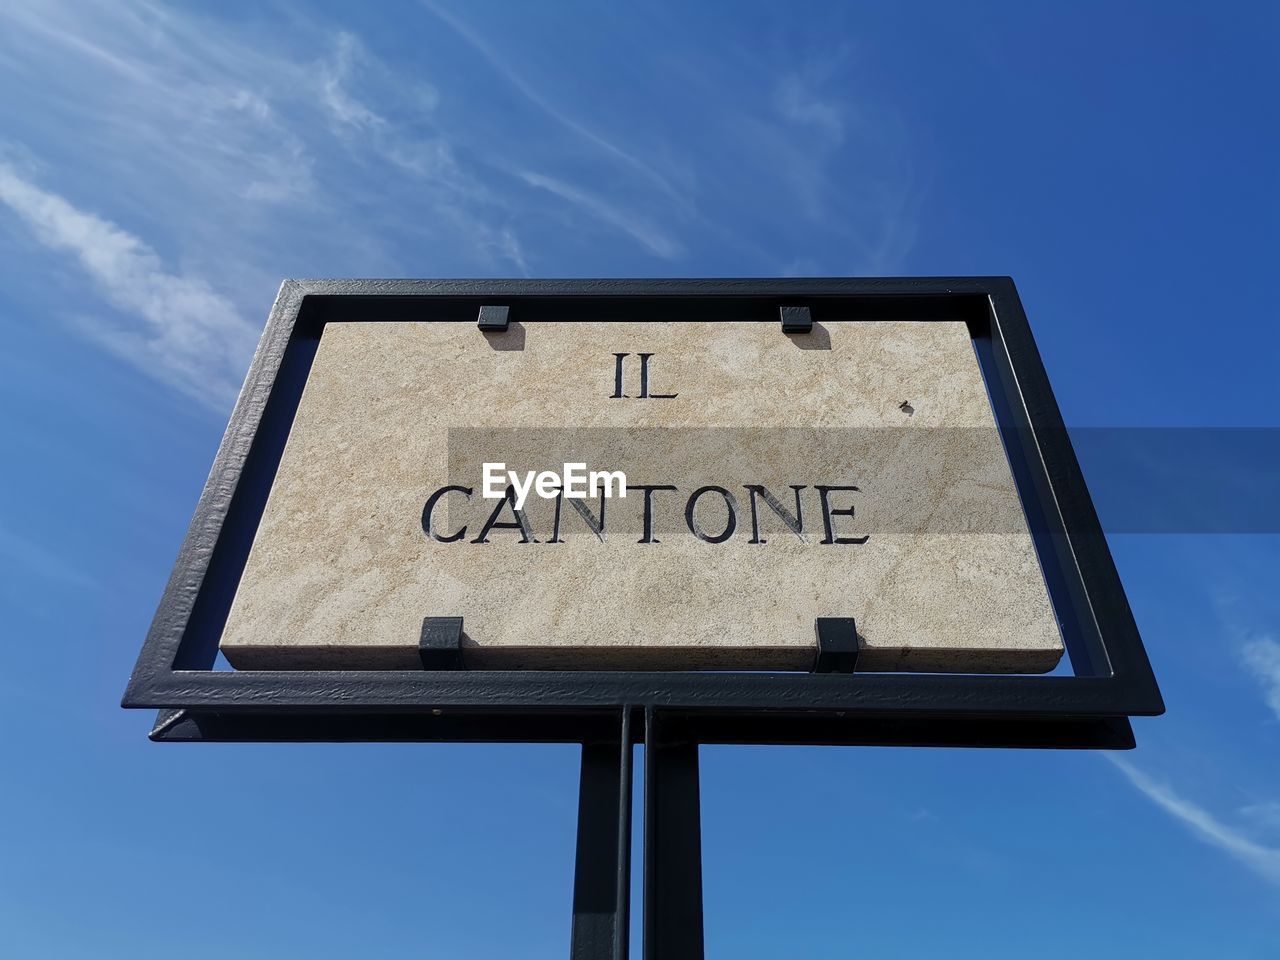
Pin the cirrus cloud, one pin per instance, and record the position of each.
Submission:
(174, 327)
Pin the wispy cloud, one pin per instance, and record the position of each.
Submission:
(1265, 815)
(430, 157)
(413, 139)
(234, 163)
(633, 226)
(213, 156)
(642, 184)
(183, 331)
(1257, 650)
(171, 86)
(1264, 860)
(527, 90)
(800, 104)
(333, 87)
(1262, 657)
(26, 555)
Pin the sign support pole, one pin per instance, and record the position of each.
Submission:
(597, 913)
(672, 844)
(672, 847)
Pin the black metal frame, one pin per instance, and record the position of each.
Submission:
(1112, 678)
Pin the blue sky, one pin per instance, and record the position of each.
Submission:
(163, 167)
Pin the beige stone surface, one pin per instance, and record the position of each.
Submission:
(341, 572)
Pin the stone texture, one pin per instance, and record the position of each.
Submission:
(341, 572)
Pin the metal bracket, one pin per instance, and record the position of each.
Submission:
(440, 646)
(493, 318)
(796, 319)
(837, 645)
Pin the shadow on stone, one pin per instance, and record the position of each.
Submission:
(818, 338)
(511, 338)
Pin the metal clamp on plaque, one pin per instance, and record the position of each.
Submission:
(440, 645)
(796, 319)
(837, 645)
(493, 319)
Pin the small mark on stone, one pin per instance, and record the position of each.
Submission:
(906, 407)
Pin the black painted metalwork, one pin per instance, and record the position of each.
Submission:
(672, 842)
(796, 319)
(837, 645)
(602, 873)
(1111, 681)
(440, 644)
(493, 318)
(622, 889)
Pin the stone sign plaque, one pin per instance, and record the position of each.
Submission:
(770, 479)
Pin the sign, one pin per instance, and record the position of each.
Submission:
(683, 511)
(660, 495)
(668, 512)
